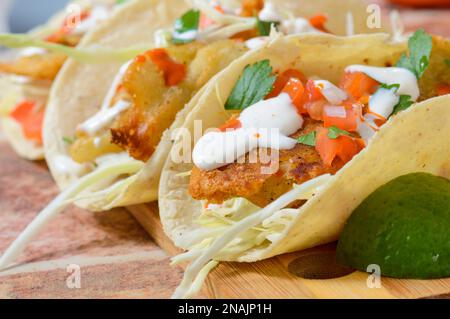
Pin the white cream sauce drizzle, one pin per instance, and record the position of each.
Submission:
(257, 43)
(270, 13)
(267, 124)
(107, 114)
(392, 75)
(382, 102)
(104, 117)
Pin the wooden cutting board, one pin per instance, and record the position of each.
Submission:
(283, 276)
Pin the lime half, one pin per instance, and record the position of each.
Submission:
(403, 227)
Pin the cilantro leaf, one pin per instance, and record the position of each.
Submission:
(254, 84)
(189, 21)
(390, 87)
(120, 1)
(419, 46)
(404, 103)
(447, 61)
(334, 132)
(308, 139)
(68, 140)
(264, 27)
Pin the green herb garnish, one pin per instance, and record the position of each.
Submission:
(334, 132)
(390, 87)
(254, 84)
(308, 139)
(404, 103)
(189, 21)
(447, 61)
(68, 140)
(264, 27)
(419, 45)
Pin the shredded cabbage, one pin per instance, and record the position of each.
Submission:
(68, 196)
(86, 55)
(242, 227)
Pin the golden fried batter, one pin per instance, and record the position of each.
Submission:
(38, 67)
(155, 105)
(247, 180)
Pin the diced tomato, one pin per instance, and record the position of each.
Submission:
(315, 101)
(30, 119)
(205, 21)
(443, 89)
(174, 72)
(344, 147)
(296, 91)
(318, 21)
(232, 124)
(358, 85)
(282, 80)
(67, 26)
(350, 122)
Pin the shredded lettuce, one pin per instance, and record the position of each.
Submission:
(86, 55)
(63, 200)
(200, 279)
(239, 235)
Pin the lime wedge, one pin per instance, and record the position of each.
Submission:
(403, 227)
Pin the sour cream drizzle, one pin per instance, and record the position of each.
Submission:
(269, 13)
(267, 124)
(257, 43)
(382, 103)
(107, 113)
(393, 75)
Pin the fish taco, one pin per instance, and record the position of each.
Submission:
(27, 75)
(305, 129)
(107, 129)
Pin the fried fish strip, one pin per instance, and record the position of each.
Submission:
(38, 67)
(155, 105)
(249, 181)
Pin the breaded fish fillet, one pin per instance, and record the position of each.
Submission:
(247, 180)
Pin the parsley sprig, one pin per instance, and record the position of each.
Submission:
(308, 139)
(254, 84)
(189, 21)
(419, 46)
(264, 27)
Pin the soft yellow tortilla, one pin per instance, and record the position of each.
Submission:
(412, 141)
(82, 87)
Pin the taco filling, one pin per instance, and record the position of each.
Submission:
(150, 90)
(35, 68)
(148, 96)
